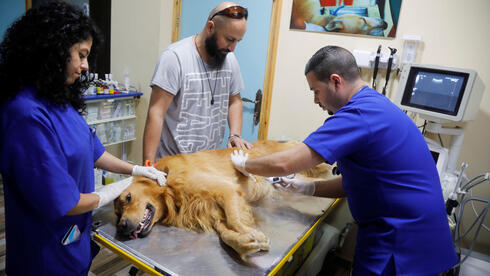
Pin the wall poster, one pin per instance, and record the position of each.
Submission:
(359, 17)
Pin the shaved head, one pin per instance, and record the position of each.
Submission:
(220, 7)
(225, 27)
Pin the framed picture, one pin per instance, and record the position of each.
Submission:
(357, 17)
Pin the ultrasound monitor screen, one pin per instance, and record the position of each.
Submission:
(435, 90)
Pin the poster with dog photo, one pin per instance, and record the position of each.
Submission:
(358, 17)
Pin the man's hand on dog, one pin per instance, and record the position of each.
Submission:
(150, 172)
(238, 142)
(294, 185)
(238, 158)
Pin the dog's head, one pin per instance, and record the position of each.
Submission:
(139, 207)
(356, 24)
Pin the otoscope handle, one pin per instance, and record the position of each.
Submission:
(376, 63)
(388, 68)
(390, 63)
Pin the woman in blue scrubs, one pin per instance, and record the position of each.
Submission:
(388, 174)
(47, 150)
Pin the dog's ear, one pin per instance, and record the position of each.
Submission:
(161, 165)
(117, 207)
(168, 199)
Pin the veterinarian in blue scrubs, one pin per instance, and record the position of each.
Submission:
(47, 150)
(388, 174)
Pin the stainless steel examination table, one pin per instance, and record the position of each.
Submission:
(289, 220)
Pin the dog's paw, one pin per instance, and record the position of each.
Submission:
(260, 237)
(266, 244)
(253, 242)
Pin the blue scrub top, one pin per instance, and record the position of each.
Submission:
(391, 183)
(46, 160)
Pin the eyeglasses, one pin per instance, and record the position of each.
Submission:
(235, 12)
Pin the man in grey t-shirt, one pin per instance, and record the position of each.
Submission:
(196, 88)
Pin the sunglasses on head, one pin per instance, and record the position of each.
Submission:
(235, 12)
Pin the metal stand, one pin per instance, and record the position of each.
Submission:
(456, 142)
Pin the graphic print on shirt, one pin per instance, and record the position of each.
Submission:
(202, 124)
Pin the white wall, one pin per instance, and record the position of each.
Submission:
(140, 30)
(454, 34)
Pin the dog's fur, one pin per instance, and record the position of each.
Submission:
(204, 192)
(309, 11)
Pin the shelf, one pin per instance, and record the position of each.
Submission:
(111, 120)
(119, 142)
(112, 96)
(106, 101)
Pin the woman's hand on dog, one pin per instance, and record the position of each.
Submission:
(150, 172)
(111, 191)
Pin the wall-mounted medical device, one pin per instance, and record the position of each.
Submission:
(367, 59)
(440, 94)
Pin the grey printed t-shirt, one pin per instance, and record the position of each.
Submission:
(192, 123)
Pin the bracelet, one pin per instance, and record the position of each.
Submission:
(233, 135)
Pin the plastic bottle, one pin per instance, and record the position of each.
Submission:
(126, 80)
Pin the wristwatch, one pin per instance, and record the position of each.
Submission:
(231, 135)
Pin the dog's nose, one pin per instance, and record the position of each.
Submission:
(122, 226)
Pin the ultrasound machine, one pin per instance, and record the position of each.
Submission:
(441, 95)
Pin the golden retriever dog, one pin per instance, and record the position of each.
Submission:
(306, 12)
(204, 192)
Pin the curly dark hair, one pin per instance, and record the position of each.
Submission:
(36, 50)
